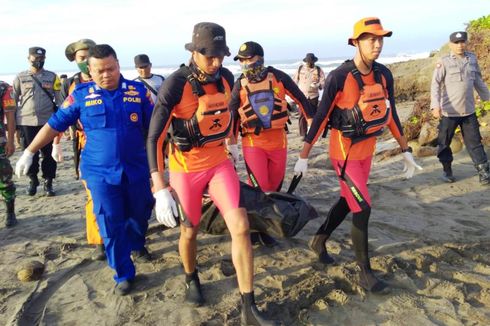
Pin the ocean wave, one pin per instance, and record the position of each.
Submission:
(288, 66)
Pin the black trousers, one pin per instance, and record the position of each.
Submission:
(470, 129)
(303, 125)
(48, 164)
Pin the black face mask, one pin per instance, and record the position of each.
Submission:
(310, 64)
(37, 64)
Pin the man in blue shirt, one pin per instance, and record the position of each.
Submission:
(115, 114)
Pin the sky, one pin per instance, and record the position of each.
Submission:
(287, 29)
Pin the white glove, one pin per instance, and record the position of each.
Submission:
(165, 208)
(57, 153)
(301, 166)
(233, 150)
(24, 163)
(409, 165)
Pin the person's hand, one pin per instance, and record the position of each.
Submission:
(301, 166)
(57, 153)
(9, 147)
(233, 150)
(409, 165)
(24, 163)
(165, 208)
(436, 113)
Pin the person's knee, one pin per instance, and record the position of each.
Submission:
(360, 219)
(237, 222)
(188, 233)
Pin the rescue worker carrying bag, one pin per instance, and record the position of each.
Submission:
(278, 214)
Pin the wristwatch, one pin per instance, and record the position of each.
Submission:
(408, 149)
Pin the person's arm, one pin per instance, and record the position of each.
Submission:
(9, 106)
(296, 76)
(233, 106)
(43, 137)
(10, 147)
(320, 120)
(58, 97)
(168, 97)
(147, 109)
(17, 90)
(395, 125)
(435, 89)
(397, 130)
(293, 91)
(480, 86)
(322, 79)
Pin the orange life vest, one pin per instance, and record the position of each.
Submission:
(262, 108)
(211, 122)
(370, 115)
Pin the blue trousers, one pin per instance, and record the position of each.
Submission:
(122, 213)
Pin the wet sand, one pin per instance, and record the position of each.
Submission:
(428, 239)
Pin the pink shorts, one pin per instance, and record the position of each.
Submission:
(354, 186)
(268, 167)
(221, 182)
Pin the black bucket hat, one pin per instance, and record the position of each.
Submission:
(310, 57)
(209, 39)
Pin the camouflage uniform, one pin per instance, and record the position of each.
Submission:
(7, 187)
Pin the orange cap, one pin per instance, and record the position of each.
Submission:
(370, 25)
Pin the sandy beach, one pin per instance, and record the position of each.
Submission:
(428, 239)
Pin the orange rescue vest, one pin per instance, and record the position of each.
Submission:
(262, 108)
(370, 115)
(211, 122)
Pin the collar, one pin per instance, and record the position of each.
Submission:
(122, 85)
(454, 56)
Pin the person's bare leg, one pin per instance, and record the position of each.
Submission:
(188, 247)
(188, 252)
(241, 253)
(241, 248)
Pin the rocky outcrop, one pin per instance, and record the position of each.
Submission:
(413, 79)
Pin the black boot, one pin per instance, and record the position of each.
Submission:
(48, 188)
(263, 239)
(251, 316)
(484, 173)
(99, 252)
(32, 188)
(317, 244)
(369, 282)
(142, 256)
(193, 292)
(123, 288)
(447, 175)
(10, 219)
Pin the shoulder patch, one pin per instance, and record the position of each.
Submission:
(67, 102)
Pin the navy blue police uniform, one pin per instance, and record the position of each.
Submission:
(114, 164)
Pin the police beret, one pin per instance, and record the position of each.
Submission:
(458, 37)
(72, 48)
(37, 51)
